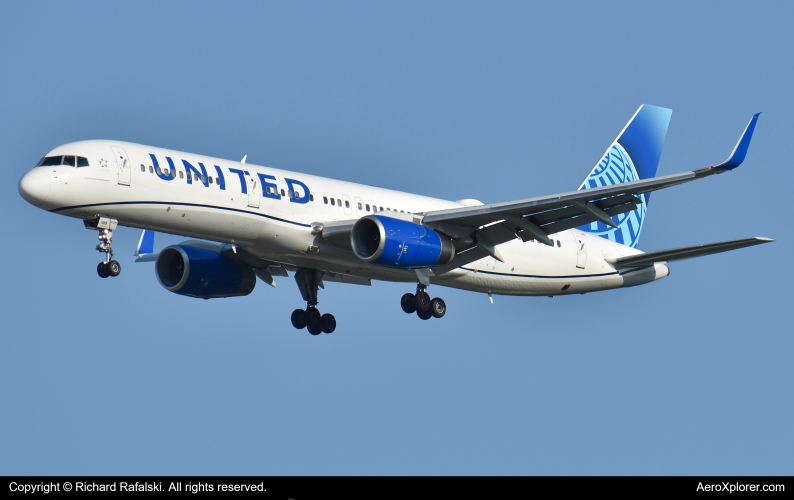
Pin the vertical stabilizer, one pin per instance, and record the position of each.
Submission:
(634, 155)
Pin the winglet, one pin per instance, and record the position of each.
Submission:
(740, 151)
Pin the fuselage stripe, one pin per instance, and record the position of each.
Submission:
(183, 205)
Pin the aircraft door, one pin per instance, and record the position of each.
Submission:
(124, 165)
(254, 193)
(348, 205)
(581, 250)
(360, 207)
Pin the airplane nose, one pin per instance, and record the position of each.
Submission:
(35, 186)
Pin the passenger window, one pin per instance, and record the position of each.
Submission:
(69, 160)
(332, 202)
(339, 202)
(311, 197)
(289, 194)
(282, 192)
(51, 161)
(359, 206)
(151, 169)
(195, 177)
(558, 244)
(381, 209)
(181, 175)
(325, 200)
(173, 174)
(159, 171)
(143, 169)
(210, 179)
(367, 208)
(217, 181)
(83, 162)
(203, 178)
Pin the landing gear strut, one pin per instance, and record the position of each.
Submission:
(422, 305)
(105, 226)
(309, 281)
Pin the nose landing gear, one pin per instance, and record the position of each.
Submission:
(309, 280)
(422, 305)
(105, 226)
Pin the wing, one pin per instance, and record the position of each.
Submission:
(477, 230)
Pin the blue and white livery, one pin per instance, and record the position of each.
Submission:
(252, 223)
(633, 156)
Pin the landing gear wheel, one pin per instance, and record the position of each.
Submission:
(424, 314)
(312, 316)
(313, 321)
(328, 323)
(408, 303)
(422, 302)
(315, 329)
(113, 268)
(299, 319)
(438, 308)
(308, 281)
(102, 270)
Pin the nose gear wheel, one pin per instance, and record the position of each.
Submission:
(105, 226)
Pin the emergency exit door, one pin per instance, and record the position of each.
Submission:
(124, 165)
(254, 194)
(581, 251)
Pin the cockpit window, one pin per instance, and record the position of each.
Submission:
(51, 161)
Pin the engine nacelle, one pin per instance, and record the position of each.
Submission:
(392, 242)
(200, 271)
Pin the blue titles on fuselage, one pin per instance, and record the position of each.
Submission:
(201, 175)
(269, 188)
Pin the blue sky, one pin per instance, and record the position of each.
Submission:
(494, 101)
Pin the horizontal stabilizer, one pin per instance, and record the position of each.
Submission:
(146, 243)
(646, 259)
(145, 250)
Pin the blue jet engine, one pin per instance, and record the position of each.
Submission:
(197, 271)
(398, 243)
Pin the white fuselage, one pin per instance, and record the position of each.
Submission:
(122, 182)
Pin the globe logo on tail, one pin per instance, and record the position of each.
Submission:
(616, 167)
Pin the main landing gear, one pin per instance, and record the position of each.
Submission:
(309, 280)
(105, 226)
(422, 305)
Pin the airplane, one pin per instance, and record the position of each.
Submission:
(260, 222)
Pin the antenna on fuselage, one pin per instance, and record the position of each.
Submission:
(243, 160)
